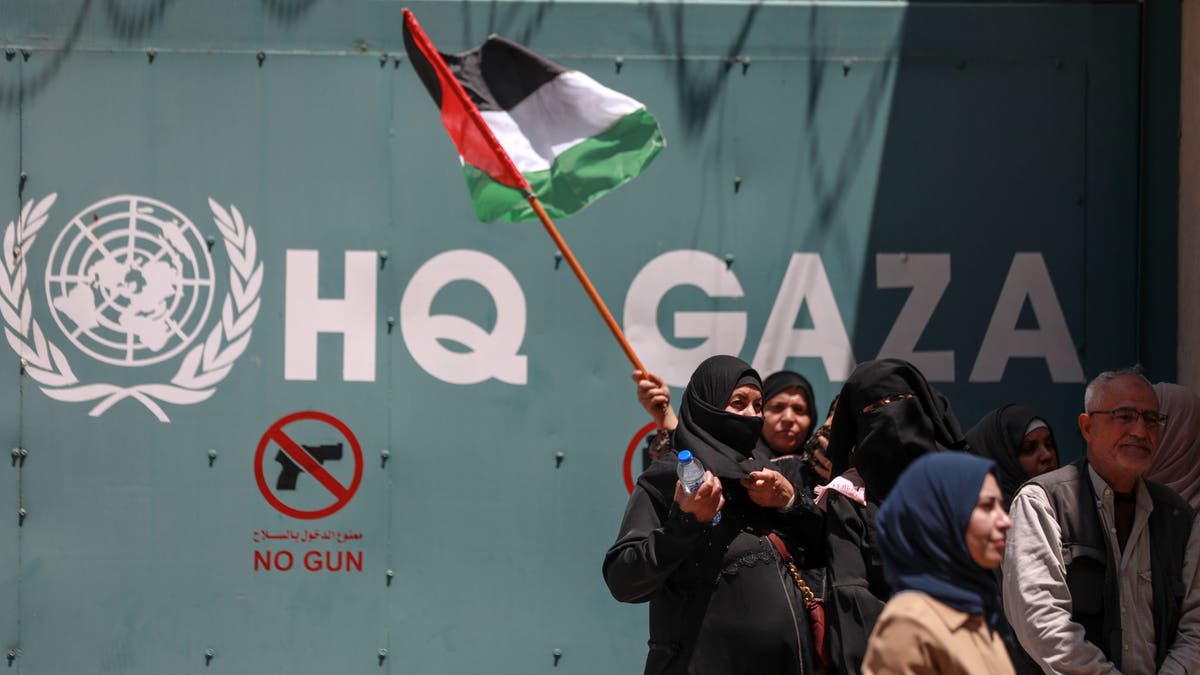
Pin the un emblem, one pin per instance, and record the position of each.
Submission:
(133, 285)
(130, 282)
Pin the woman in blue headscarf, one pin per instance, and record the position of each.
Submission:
(941, 533)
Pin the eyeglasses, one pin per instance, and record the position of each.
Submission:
(1127, 416)
(872, 407)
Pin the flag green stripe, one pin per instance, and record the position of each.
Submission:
(578, 176)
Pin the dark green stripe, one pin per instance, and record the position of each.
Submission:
(577, 177)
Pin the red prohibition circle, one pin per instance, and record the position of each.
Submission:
(342, 494)
(627, 468)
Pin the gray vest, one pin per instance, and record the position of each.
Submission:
(1091, 564)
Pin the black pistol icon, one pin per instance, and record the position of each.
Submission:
(289, 470)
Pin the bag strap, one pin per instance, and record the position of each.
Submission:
(786, 557)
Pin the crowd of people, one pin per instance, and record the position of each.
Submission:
(887, 540)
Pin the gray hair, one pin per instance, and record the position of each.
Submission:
(1103, 379)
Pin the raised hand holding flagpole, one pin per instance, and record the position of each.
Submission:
(614, 148)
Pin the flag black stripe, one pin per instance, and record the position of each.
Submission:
(424, 68)
(499, 74)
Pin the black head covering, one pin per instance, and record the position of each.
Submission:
(722, 440)
(777, 383)
(998, 437)
(887, 440)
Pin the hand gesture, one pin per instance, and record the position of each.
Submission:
(769, 488)
(821, 464)
(655, 397)
(705, 502)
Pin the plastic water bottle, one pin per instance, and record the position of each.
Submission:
(691, 475)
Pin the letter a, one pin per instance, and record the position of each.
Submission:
(805, 281)
(1028, 278)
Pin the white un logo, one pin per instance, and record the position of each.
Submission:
(130, 281)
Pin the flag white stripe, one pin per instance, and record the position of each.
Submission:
(565, 111)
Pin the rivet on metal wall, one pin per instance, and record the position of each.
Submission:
(389, 574)
(557, 654)
(25, 54)
(737, 184)
(558, 458)
(383, 654)
(21, 513)
(11, 656)
(728, 260)
(208, 655)
(619, 63)
(9, 54)
(395, 62)
(845, 68)
(383, 256)
(211, 241)
(557, 259)
(384, 455)
(21, 182)
(383, 58)
(745, 61)
(212, 456)
(391, 323)
(150, 54)
(261, 56)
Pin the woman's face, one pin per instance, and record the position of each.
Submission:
(745, 400)
(989, 523)
(786, 420)
(1038, 453)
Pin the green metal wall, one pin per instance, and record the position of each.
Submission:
(851, 130)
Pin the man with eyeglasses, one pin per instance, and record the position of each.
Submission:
(1100, 571)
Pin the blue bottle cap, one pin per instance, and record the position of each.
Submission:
(685, 456)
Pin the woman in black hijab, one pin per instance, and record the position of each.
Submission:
(721, 599)
(788, 411)
(1019, 441)
(1022, 446)
(888, 415)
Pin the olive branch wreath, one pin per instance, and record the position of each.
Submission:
(201, 370)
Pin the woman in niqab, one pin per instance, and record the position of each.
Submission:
(721, 599)
(888, 415)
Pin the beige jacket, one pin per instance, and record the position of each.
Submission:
(917, 634)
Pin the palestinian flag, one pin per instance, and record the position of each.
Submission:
(524, 123)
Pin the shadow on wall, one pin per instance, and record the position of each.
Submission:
(510, 19)
(129, 20)
(830, 181)
(697, 88)
(998, 164)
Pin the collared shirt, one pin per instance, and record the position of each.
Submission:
(918, 634)
(1038, 603)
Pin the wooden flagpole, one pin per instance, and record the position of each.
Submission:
(583, 279)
